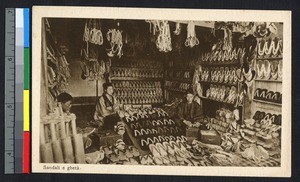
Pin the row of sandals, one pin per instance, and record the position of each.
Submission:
(269, 96)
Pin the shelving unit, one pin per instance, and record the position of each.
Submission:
(269, 58)
(143, 84)
(55, 67)
(134, 79)
(181, 78)
(269, 84)
(266, 102)
(223, 102)
(210, 105)
(218, 83)
(262, 80)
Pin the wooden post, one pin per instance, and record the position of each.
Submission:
(44, 81)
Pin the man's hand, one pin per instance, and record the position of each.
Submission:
(188, 123)
(121, 113)
(197, 124)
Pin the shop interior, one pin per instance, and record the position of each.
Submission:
(232, 71)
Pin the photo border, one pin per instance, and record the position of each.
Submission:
(39, 12)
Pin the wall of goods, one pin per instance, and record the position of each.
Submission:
(59, 140)
(233, 70)
(137, 82)
(58, 71)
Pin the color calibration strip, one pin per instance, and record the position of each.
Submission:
(26, 95)
(17, 74)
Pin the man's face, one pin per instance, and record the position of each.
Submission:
(189, 97)
(110, 90)
(66, 106)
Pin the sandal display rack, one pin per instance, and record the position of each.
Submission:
(137, 82)
(267, 91)
(178, 79)
(219, 83)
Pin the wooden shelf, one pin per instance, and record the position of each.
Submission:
(135, 68)
(219, 64)
(262, 80)
(170, 89)
(142, 103)
(217, 83)
(180, 69)
(178, 80)
(270, 58)
(216, 100)
(266, 102)
(134, 78)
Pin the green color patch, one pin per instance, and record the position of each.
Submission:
(26, 69)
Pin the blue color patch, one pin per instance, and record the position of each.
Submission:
(26, 26)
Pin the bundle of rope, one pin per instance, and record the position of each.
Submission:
(191, 39)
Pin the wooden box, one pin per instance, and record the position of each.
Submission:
(210, 137)
(109, 140)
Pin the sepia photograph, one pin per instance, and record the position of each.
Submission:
(161, 91)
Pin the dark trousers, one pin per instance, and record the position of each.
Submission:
(110, 121)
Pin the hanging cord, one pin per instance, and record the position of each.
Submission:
(178, 29)
(191, 39)
(163, 41)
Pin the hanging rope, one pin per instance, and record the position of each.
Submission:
(92, 32)
(115, 38)
(163, 41)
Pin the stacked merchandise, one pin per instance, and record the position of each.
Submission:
(58, 71)
(59, 140)
(120, 153)
(263, 130)
(223, 56)
(151, 130)
(179, 77)
(222, 93)
(177, 86)
(140, 69)
(182, 75)
(138, 92)
(268, 96)
(225, 75)
(137, 82)
(254, 143)
(222, 121)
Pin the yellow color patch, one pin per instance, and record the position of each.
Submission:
(26, 110)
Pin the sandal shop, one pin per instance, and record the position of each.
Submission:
(160, 92)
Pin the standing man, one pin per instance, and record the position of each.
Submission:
(107, 108)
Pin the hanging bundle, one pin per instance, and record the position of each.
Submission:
(92, 32)
(154, 26)
(191, 39)
(227, 44)
(115, 38)
(163, 41)
(178, 29)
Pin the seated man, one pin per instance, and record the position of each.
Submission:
(190, 112)
(91, 141)
(107, 109)
(66, 101)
